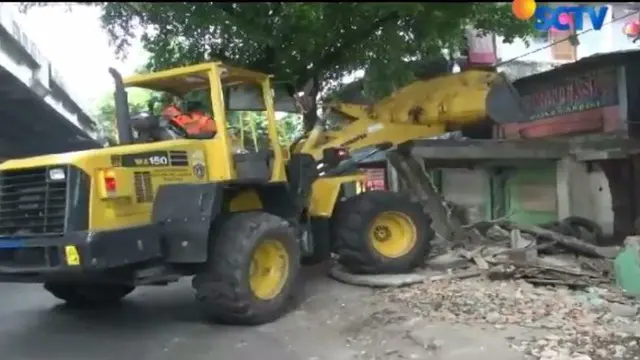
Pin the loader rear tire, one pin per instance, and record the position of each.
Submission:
(381, 232)
(253, 264)
(81, 295)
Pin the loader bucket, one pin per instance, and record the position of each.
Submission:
(504, 104)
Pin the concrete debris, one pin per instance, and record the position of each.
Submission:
(575, 327)
(623, 310)
(539, 255)
(447, 261)
(549, 279)
(544, 279)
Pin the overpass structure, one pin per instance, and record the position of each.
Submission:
(38, 114)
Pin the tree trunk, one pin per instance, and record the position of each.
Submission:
(311, 115)
(309, 119)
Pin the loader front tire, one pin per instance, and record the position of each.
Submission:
(253, 263)
(381, 232)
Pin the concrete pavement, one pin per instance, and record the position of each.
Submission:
(332, 322)
(162, 323)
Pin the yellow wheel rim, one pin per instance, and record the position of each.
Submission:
(393, 234)
(269, 269)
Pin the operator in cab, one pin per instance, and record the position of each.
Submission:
(194, 121)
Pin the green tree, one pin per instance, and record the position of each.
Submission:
(289, 128)
(315, 43)
(249, 128)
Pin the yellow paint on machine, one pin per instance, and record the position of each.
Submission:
(269, 269)
(324, 194)
(245, 201)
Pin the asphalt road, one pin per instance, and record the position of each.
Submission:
(162, 323)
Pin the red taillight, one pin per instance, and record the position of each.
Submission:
(110, 183)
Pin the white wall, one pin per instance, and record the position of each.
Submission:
(584, 193)
(467, 188)
(602, 201)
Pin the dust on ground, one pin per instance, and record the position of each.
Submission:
(473, 318)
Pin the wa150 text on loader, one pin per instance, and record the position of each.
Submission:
(162, 204)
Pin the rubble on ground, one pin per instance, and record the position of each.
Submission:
(580, 324)
(532, 277)
(544, 256)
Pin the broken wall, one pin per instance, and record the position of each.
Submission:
(526, 190)
(596, 97)
(468, 188)
(530, 192)
(583, 190)
(602, 200)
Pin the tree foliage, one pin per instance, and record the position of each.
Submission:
(302, 42)
(248, 129)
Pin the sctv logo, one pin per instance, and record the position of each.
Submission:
(560, 17)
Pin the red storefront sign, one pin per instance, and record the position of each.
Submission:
(592, 90)
(573, 104)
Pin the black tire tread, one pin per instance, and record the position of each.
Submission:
(351, 222)
(222, 291)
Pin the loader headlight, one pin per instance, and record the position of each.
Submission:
(56, 174)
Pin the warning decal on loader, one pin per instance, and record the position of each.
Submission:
(198, 164)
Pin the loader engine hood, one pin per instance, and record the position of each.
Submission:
(49, 160)
(94, 158)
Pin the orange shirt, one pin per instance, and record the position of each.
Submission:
(202, 123)
(195, 122)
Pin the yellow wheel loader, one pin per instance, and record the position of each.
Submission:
(380, 231)
(164, 203)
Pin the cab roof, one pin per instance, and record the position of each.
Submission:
(182, 80)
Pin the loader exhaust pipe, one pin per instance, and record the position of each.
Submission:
(504, 103)
(123, 118)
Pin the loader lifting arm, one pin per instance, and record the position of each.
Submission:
(423, 109)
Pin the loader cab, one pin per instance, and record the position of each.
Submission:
(244, 145)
